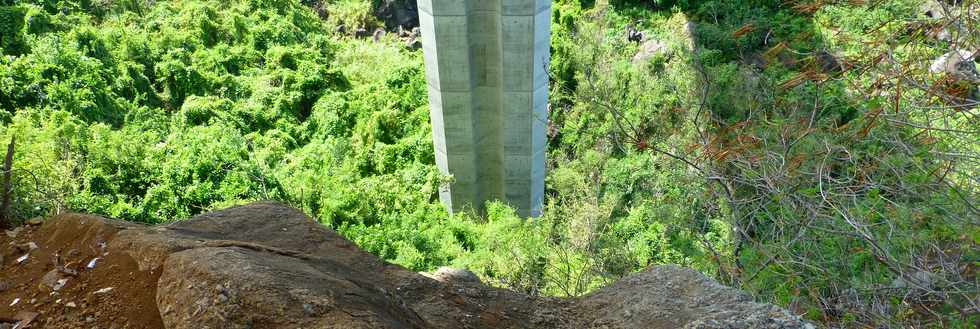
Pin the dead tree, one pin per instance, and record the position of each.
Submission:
(5, 217)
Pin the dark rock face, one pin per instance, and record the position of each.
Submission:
(269, 266)
(398, 13)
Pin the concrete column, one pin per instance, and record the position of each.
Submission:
(486, 65)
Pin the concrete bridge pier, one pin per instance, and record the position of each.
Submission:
(487, 70)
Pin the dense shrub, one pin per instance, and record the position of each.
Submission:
(737, 149)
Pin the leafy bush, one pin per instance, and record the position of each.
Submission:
(748, 147)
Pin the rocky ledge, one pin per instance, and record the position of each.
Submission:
(266, 265)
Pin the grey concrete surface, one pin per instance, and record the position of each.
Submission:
(486, 64)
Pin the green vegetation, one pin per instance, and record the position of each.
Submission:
(799, 150)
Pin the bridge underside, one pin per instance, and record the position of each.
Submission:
(486, 65)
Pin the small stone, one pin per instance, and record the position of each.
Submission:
(25, 247)
(361, 33)
(89, 319)
(378, 34)
(49, 282)
(14, 232)
(61, 284)
(24, 318)
(36, 221)
(413, 44)
(102, 291)
(71, 305)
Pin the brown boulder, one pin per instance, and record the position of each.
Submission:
(269, 266)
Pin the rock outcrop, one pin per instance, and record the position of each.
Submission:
(398, 13)
(269, 266)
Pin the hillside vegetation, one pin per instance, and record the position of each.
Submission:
(801, 150)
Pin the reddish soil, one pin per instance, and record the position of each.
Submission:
(78, 303)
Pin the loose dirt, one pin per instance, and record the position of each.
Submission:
(60, 260)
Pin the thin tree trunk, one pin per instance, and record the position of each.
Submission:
(8, 163)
